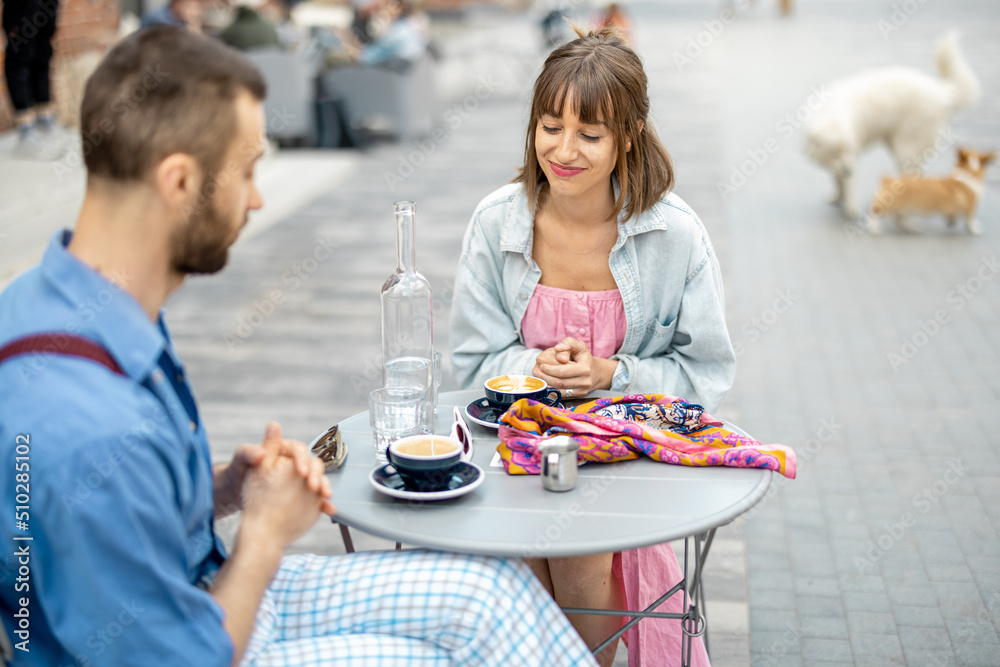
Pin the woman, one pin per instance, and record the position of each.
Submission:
(586, 272)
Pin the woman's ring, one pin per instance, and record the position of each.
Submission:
(568, 393)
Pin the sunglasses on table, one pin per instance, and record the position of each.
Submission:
(331, 448)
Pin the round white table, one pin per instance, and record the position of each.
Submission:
(613, 507)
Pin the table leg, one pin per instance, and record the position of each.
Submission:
(636, 616)
(694, 623)
(704, 613)
(685, 635)
(345, 535)
(700, 558)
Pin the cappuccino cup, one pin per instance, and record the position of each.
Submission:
(424, 461)
(503, 391)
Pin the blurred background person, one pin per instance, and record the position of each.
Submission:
(616, 18)
(397, 36)
(362, 26)
(181, 13)
(403, 39)
(249, 29)
(26, 66)
(555, 30)
(291, 35)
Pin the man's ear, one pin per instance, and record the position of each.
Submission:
(178, 179)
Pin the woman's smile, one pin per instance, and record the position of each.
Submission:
(564, 171)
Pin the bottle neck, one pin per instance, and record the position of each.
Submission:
(406, 252)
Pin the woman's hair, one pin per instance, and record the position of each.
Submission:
(607, 85)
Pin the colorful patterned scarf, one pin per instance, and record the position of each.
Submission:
(662, 427)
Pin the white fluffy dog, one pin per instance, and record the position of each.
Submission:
(899, 106)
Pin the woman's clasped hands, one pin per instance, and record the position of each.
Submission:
(570, 367)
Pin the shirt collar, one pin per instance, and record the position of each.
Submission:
(103, 311)
(518, 228)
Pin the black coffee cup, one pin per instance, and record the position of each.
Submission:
(425, 462)
(503, 391)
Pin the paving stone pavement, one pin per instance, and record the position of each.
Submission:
(885, 549)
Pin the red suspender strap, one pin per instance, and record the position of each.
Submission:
(60, 343)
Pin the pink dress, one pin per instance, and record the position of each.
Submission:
(598, 319)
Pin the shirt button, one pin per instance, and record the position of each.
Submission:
(194, 427)
(522, 296)
(180, 377)
(157, 375)
(581, 331)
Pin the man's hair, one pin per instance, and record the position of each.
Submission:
(608, 85)
(161, 91)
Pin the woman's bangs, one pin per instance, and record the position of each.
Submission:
(588, 96)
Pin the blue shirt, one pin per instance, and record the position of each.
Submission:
(120, 496)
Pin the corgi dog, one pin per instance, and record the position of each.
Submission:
(899, 107)
(957, 195)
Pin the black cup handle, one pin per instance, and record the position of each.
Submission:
(548, 400)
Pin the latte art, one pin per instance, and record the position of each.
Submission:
(515, 383)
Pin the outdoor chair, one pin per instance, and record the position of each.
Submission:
(290, 106)
(396, 99)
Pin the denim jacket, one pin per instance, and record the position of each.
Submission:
(676, 340)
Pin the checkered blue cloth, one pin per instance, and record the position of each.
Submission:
(412, 609)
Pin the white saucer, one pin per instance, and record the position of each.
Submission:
(388, 482)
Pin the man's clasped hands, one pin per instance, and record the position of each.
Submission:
(278, 484)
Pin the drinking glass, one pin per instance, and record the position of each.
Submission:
(395, 412)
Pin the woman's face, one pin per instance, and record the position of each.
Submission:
(576, 157)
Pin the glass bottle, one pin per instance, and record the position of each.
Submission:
(407, 315)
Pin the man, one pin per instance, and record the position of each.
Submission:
(29, 26)
(108, 547)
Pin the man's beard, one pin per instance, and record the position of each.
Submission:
(202, 245)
